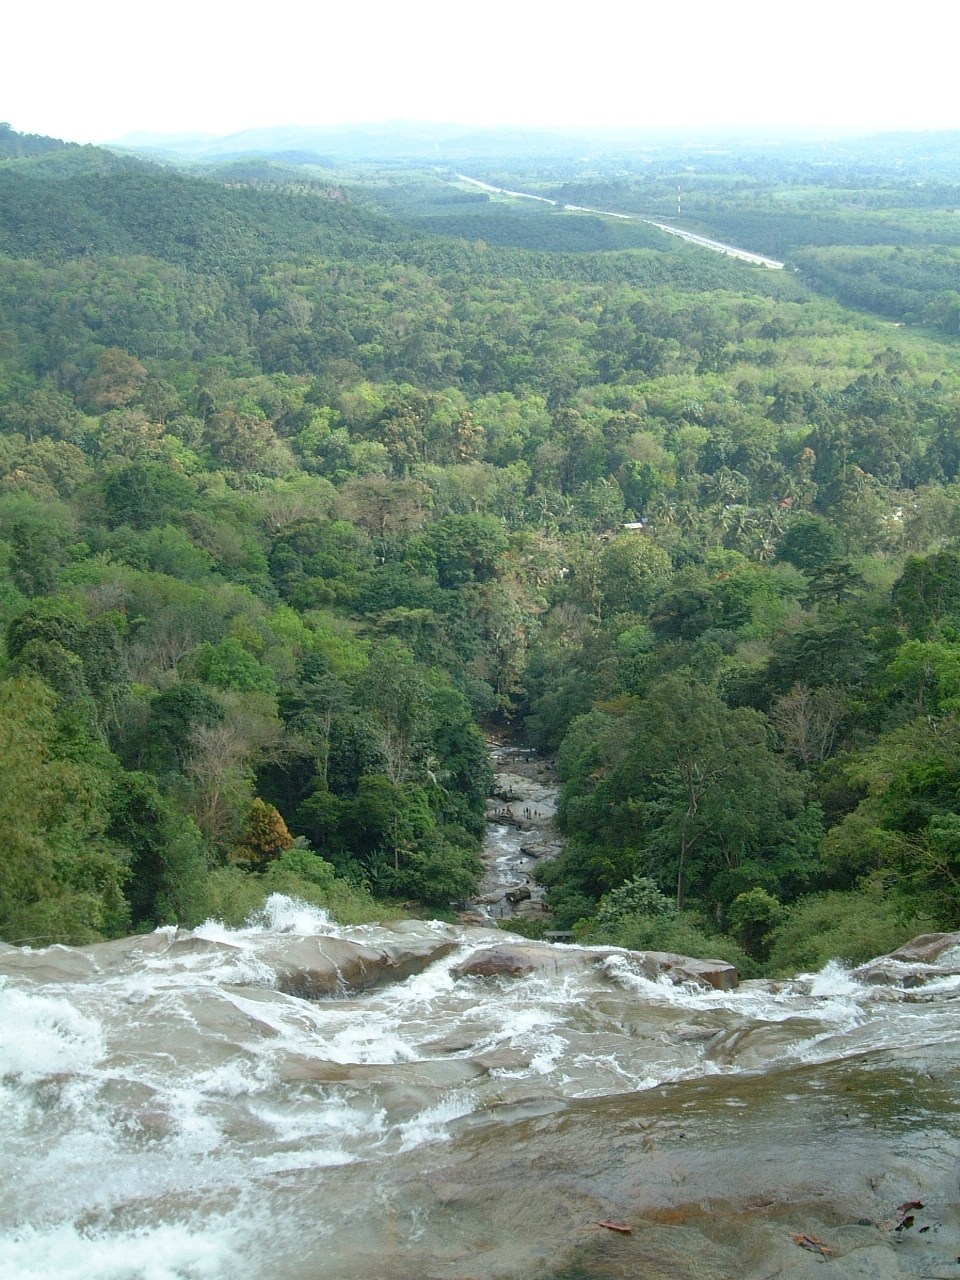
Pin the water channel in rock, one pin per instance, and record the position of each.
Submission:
(520, 832)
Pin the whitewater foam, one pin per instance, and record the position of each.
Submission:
(167, 1252)
(279, 914)
(45, 1035)
(153, 1107)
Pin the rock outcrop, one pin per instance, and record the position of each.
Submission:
(915, 962)
(312, 967)
(516, 960)
(308, 966)
(926, 948)
(707, 973)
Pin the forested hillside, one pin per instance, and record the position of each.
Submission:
(872, 223)
(301, 484)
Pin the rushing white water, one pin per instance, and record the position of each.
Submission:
(167, 1111)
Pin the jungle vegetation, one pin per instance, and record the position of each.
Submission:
(306, 478)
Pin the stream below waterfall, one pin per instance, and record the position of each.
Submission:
(298, 1100)
(519, 833)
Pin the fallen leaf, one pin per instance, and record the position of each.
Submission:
(903, 1209)
(623, 1227)
(904, 1217)
(811, 1243)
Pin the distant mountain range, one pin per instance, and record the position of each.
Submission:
(408, 140)
(394, 139)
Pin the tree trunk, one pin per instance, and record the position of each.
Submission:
(684, 848)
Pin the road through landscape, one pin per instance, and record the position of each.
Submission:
(745, 255)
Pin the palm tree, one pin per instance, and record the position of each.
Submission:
(688, 517)
(663, 511)
(727, 486)
(764, 547)
(720, 520)
(743, 523)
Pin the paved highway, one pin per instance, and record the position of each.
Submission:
(745, 255)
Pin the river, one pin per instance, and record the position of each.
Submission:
(519, 834)
(296, 1099)
(705, 242)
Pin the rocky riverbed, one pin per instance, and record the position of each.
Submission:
(519, 833)
(299, 1100)
(296, 1100)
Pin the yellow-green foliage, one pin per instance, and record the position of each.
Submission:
(233, 896)
(850, 927)
(59, 882)
(264, 837)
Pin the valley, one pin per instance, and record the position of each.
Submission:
(480, 709)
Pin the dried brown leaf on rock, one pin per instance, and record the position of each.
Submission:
(812, 1243)
(903, 1210)
(903, 1218)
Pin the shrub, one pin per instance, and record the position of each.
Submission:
(264, 838)
(752, 916)
(234, 895)
(524, 926)
(639, 896)
(437, 872)
(685, 934)
(852, 927)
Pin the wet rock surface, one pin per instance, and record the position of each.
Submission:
(315, 968)
(927, 948)
(716, 1178)
(555, 960)
(173, 1107)
(930, 955)
(710, 973)
(310, 967)
(516, 960)
(519, 833)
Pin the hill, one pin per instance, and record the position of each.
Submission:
(304, 478)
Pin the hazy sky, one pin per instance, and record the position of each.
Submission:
(95, 70)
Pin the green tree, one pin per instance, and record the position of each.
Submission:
(752, 917)
(928, 592)
(466, 547)
(228, 665)
(393, 692)
(930, 670)
(696, 791)
(37, 557)
(634, 571)
(142, 495)
(166, 880)
(60, 881)
(117, 381)
(836, 582)
(810, 543)
(174, 715)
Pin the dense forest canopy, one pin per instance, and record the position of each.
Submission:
(306, 475)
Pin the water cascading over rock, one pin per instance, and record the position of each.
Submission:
(295, 1099)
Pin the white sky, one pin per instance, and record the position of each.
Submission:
(95, 70)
